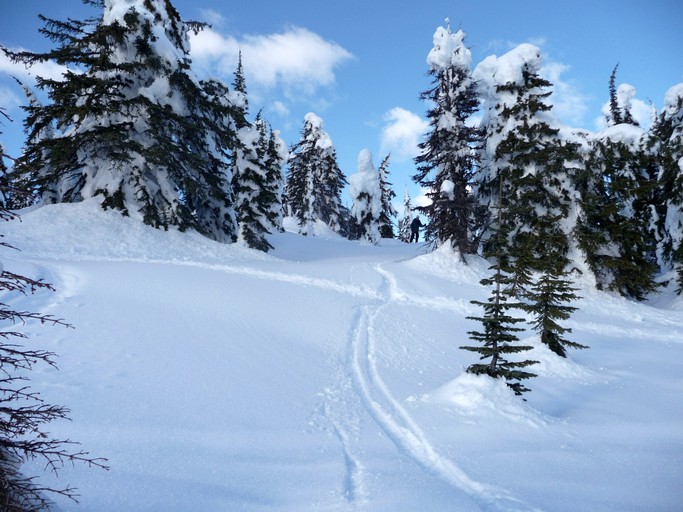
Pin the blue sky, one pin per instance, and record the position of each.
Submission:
(361, 65)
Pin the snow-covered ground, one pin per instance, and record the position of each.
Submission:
(326, 376)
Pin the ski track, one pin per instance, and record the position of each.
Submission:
(393, 418)
(365, 382)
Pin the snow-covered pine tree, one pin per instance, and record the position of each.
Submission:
(547, 301)
(275, 159)
(665, 145)
(366, 196)
(252, 196)
(129, 119)
(617, 227)
(404, 224)
(315, 181)
(526, 164)
(386, 224)
(448, 158)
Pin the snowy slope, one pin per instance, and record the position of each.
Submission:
(326, 376)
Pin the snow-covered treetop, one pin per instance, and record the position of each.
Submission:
(168, 32)
(627, 133)
(317, 134)
(508, 68)
(673, 100)
(449, 50)
(366, 181)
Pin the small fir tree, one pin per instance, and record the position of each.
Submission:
(498, 339)
(547, 301)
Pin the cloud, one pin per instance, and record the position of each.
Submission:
(402, 133)
(569, 104)
(296, 59)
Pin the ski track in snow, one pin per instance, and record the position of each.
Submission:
(362, 379)
(393, 418)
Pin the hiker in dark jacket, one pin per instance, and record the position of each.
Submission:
(415, 226)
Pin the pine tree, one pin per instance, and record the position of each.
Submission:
(315, 180)
(665, 146)
(275, 159)
(448, 157)
(404, 223)
(616, 229)
(527, 164)
(548, 300)
(131, 124)
(386, 228)
(252, 196)
(366, 195)
(498, 339)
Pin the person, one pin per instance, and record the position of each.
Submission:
(415, 226)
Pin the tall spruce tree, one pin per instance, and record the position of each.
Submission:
(447, 160)
(388, 212)
(665, 146)
(129, 118)
(526, 164)
(617, 226)
(315, 181)
(252, 196)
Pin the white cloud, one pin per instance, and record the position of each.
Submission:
(402, 133)
(214, 18)
(569, 104)
(294, 59)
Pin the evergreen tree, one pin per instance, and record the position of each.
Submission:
(527, 165)
(386, 227)
(616, 228)
(404, 224)
(275, 159)
(548, 300)
(131, 124)
(366, 196)
(498, 340)
(252, 196)
(665, 146)
(315, 180)
(447, 160)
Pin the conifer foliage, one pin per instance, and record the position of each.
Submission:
(315, 181)
(447, 159)
(130, 121)
(498, 340)
(366, 194)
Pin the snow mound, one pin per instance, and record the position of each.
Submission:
(477, 395)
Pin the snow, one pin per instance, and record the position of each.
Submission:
(326, 375)
(449, 50)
